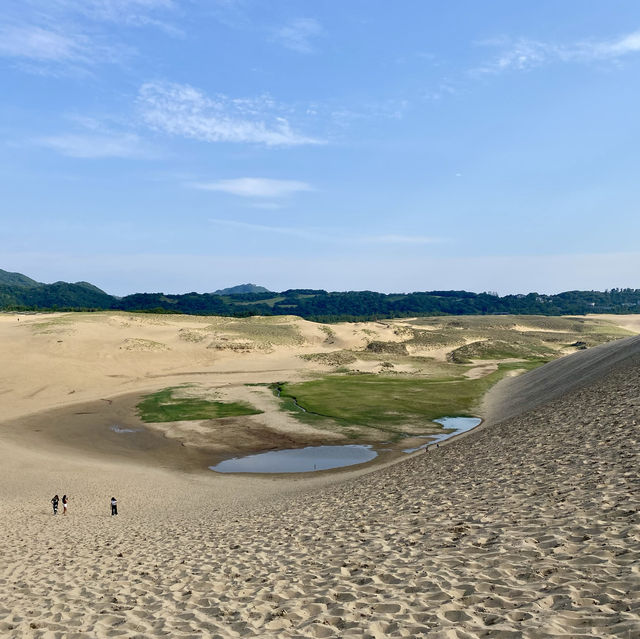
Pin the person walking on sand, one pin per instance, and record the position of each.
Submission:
(114, 506)
(65, 501)
(55, 501)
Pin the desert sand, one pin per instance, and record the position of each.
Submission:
(526, 527)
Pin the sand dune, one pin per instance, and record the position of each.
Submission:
(517, 395)
(528, 527)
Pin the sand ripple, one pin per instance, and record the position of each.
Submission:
(529, 528)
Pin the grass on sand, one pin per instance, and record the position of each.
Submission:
(397, 405)
(163, 406)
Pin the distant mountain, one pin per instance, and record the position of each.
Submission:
(241, 289)
(20, 291)
(90, 287)
(16, 279)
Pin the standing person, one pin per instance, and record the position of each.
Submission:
(114, 506)
(65, 501)
(55, 501)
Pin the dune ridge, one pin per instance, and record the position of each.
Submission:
(516, 395)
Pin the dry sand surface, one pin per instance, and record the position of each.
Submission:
(526, 527)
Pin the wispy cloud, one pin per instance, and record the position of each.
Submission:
(320, 235)
(115, 145)
(624, 45)
(118, 9)
(299, 34)
(133, 13)
(36, 43)
(523, 54)
(51, 36)
(56, 46)
(93, 138)
(392, 109)
(255, 187)
(179, 109)
(261, 228)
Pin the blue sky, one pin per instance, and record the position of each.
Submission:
(179, 145)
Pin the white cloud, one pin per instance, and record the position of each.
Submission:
(524, 54)
(117, 9)
(320, 235)
(134, 13)
(93, 137)
(256, 187)
(179, 109)
(57, 47)
(622, 46)
(96, 145)
(51, 35)
(36, 43)
(392, 109)
(298, 34)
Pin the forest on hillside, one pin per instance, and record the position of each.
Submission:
(19, 293)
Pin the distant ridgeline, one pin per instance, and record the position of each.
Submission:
(18, 292)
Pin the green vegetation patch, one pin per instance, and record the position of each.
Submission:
(392, 348)
(329, 332)
(499, 349)
(62, 323)
(435, 339)
(269, 302)
(163, 406)
(139, 344)
(193, 335)
(395, 404)
(269, 331)
(336, 358)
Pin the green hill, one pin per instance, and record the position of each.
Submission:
(20, 291)
(16, 279)
(241, 289)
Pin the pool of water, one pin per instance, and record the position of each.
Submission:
(454, 426)
(299, 460)
(313, 458)
(118, 429)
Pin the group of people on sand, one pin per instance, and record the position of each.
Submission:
(65, 505)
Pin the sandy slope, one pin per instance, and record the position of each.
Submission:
(517, 395)
(526, 528)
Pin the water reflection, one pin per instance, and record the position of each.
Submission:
(117, 429)
(453, 425)
(313, 458)
(299, 460)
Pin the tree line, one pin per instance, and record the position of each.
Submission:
(319, 305)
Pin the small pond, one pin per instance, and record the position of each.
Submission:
(118, 429)
(453, 425)
(313, 458)
(298, 460)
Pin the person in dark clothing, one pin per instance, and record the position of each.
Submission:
(114, 506)
(55, 501)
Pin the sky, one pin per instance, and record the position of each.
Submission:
(190, 145)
